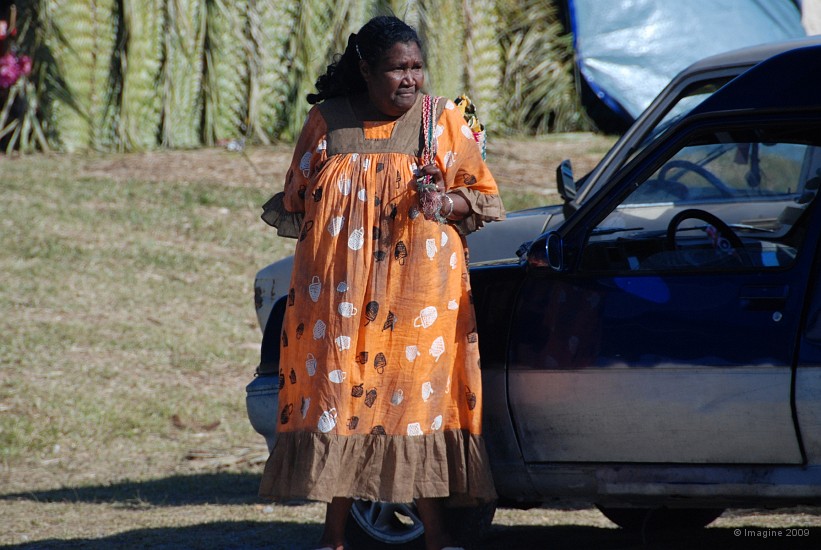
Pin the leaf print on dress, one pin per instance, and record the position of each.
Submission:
(344, 184)
(471, 398)
(430, 248)
(371, 311)
(335, 225)
(370, 397)
(356, 239)
(390, 322)
(306, 227)
(285, 415)
(319, 329)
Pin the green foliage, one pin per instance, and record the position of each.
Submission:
(133, 74)
(141, 51)
(538, 70)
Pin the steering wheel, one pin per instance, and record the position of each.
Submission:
(708, 176)
(731, 243)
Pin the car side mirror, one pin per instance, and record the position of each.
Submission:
(565, 184)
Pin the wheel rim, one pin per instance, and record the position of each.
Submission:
(387, 522)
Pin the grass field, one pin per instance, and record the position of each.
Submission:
(128, 333)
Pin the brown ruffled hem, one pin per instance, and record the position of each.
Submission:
(483, 207)
(316, 466)
(288, 224)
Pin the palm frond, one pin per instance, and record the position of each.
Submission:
(82, 43)
(182, 73)
(226, 82)
(140, 99)
(483, 59)
(441, 28)
(538, 69)
(270, 27)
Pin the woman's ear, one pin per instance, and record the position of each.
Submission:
(365, 70)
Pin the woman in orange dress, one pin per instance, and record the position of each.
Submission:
(381, 387)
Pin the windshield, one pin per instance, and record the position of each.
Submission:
(656, 123)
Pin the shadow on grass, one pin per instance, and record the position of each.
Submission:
(291, 536)
(180, 490)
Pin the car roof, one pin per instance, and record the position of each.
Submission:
(750, 55)
(788, 80)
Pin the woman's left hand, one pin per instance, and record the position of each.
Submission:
(436, 175)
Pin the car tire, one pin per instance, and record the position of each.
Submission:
(388, 526)
(661, 519)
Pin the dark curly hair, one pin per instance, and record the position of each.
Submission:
(377, 36)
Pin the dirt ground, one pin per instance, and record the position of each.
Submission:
(517, 163)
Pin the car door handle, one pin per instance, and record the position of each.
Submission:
(764, 297)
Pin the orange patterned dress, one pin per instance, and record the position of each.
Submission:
(380, 393)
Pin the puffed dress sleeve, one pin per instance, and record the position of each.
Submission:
(466, 174)
(286, 209)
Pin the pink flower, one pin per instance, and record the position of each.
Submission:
(12, 68)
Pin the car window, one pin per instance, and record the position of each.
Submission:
(724, 200)
(666, 114)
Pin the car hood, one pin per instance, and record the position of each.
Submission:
(498, 242)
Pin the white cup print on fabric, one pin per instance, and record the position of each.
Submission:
(397, 397)
(347, 309)
(337, 376)
(344, 185)
(335, 225)
(310, 364)
(319, 330)
(453, 261)
(306, 403)
(443, 240)
(453, 305)
(426, 317)
(411, 352)
(415, 428)
(430, 248)
(342, 287)
(315, 288)
(343, 342)
(427, 391)
(437, 423)
(362, 195)
(356, 239)
(366, 163)
(437, 348)
(327, 421)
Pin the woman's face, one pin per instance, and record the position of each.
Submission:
(396, 79)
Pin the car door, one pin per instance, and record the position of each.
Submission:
(671, 334)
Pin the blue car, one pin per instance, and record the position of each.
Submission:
(652, 346)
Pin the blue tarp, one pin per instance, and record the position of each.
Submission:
(628, 50)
